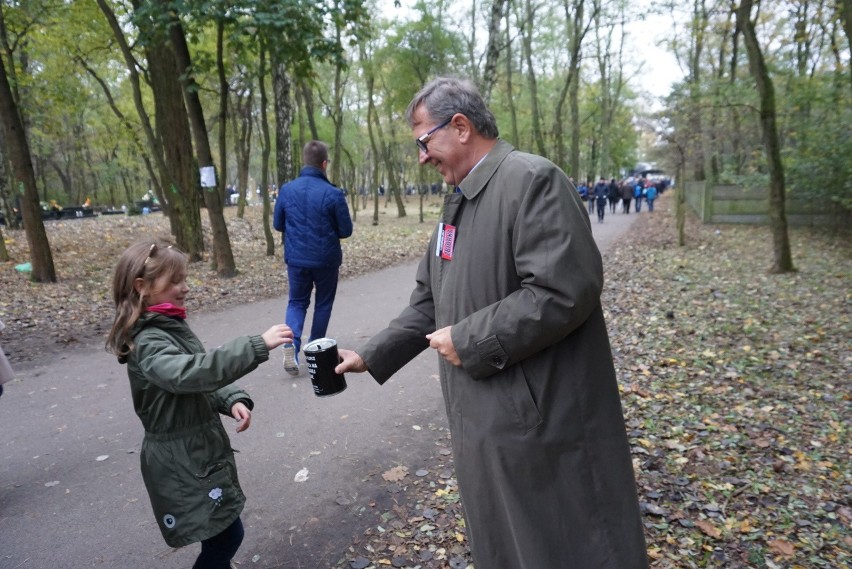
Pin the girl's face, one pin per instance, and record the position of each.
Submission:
(169, 289)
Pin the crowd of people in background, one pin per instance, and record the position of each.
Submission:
(635, 190)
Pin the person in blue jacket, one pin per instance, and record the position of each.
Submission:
(650, 196)
(313, 215)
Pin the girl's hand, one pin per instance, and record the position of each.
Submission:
(277, 335)
(243, 416)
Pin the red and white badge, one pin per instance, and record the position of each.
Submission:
(446, 241)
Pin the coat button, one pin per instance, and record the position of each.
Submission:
(496, 360)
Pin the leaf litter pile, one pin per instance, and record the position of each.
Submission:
(735, 382)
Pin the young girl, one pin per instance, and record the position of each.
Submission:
(178, 391)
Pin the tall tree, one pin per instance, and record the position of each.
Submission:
(174, 136)
(527, 31)
(170, 147)
(23, 176)
(782, 259)
(492, 51)
(265, 148)
(223, 255)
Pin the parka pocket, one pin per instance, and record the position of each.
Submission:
(216, 481)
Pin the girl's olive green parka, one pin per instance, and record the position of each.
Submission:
(179, 390)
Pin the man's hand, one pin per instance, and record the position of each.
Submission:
(349, 361)
(241, 413)
(442, 341)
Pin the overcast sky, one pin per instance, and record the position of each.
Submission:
(643, 37)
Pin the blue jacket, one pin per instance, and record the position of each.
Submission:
(313, 215)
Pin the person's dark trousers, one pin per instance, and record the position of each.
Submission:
(625, 205)
(650, 205)
(302, 282)
(591, 204)
(217, 552)
(638, 207)
(601, 210)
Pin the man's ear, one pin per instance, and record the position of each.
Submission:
(463, 126)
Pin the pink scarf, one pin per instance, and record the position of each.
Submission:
(168, 309)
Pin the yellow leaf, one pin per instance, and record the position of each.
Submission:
(654, 553)
(707, 528)
(782, 547)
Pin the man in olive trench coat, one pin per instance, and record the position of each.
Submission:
(508, 294)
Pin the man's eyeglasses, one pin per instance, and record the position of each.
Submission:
(424, 139)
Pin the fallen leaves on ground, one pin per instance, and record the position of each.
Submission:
(735, 382)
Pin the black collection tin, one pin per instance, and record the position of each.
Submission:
(321, 357)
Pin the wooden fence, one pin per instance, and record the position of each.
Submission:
(735, 204)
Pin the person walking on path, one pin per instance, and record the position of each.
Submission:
(178, 391)
(650, 196)
(601, 196)
(614, 195)
(508, 295)
(626, 196)
(313, 215)
(638, 190)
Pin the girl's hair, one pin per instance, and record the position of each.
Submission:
(147, 260)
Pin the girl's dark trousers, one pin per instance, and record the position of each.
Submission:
(217, 552)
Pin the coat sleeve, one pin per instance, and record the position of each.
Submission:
(278, 212)
(224, 398)
(169, 367)
(560, 273)
(405, 337)
(341, 216)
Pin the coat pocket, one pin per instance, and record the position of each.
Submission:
(516, 393)
(217, 482)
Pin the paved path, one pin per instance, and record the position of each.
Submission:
(71, 495)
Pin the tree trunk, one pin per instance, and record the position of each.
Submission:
(188, 236)
(243, 126)
(4, 197)
(308, 100)
(845, 10)
(283, 118)
(23, 177)
(513, 113)
(265, 151)
(492, 51)
(393, 183)
(782, 259)
(526, 41)
(699, 28)
(337, 106)
(223, 255)
(224, 93)
(576, 32)
(172, 124)
(372, 116)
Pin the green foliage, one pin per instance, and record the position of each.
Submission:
(813, 107)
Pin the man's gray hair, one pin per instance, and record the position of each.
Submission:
(315, 153)
(445, 96)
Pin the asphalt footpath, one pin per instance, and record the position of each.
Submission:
(71, 493)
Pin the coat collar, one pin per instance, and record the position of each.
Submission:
(313, 172)
(478, 178)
